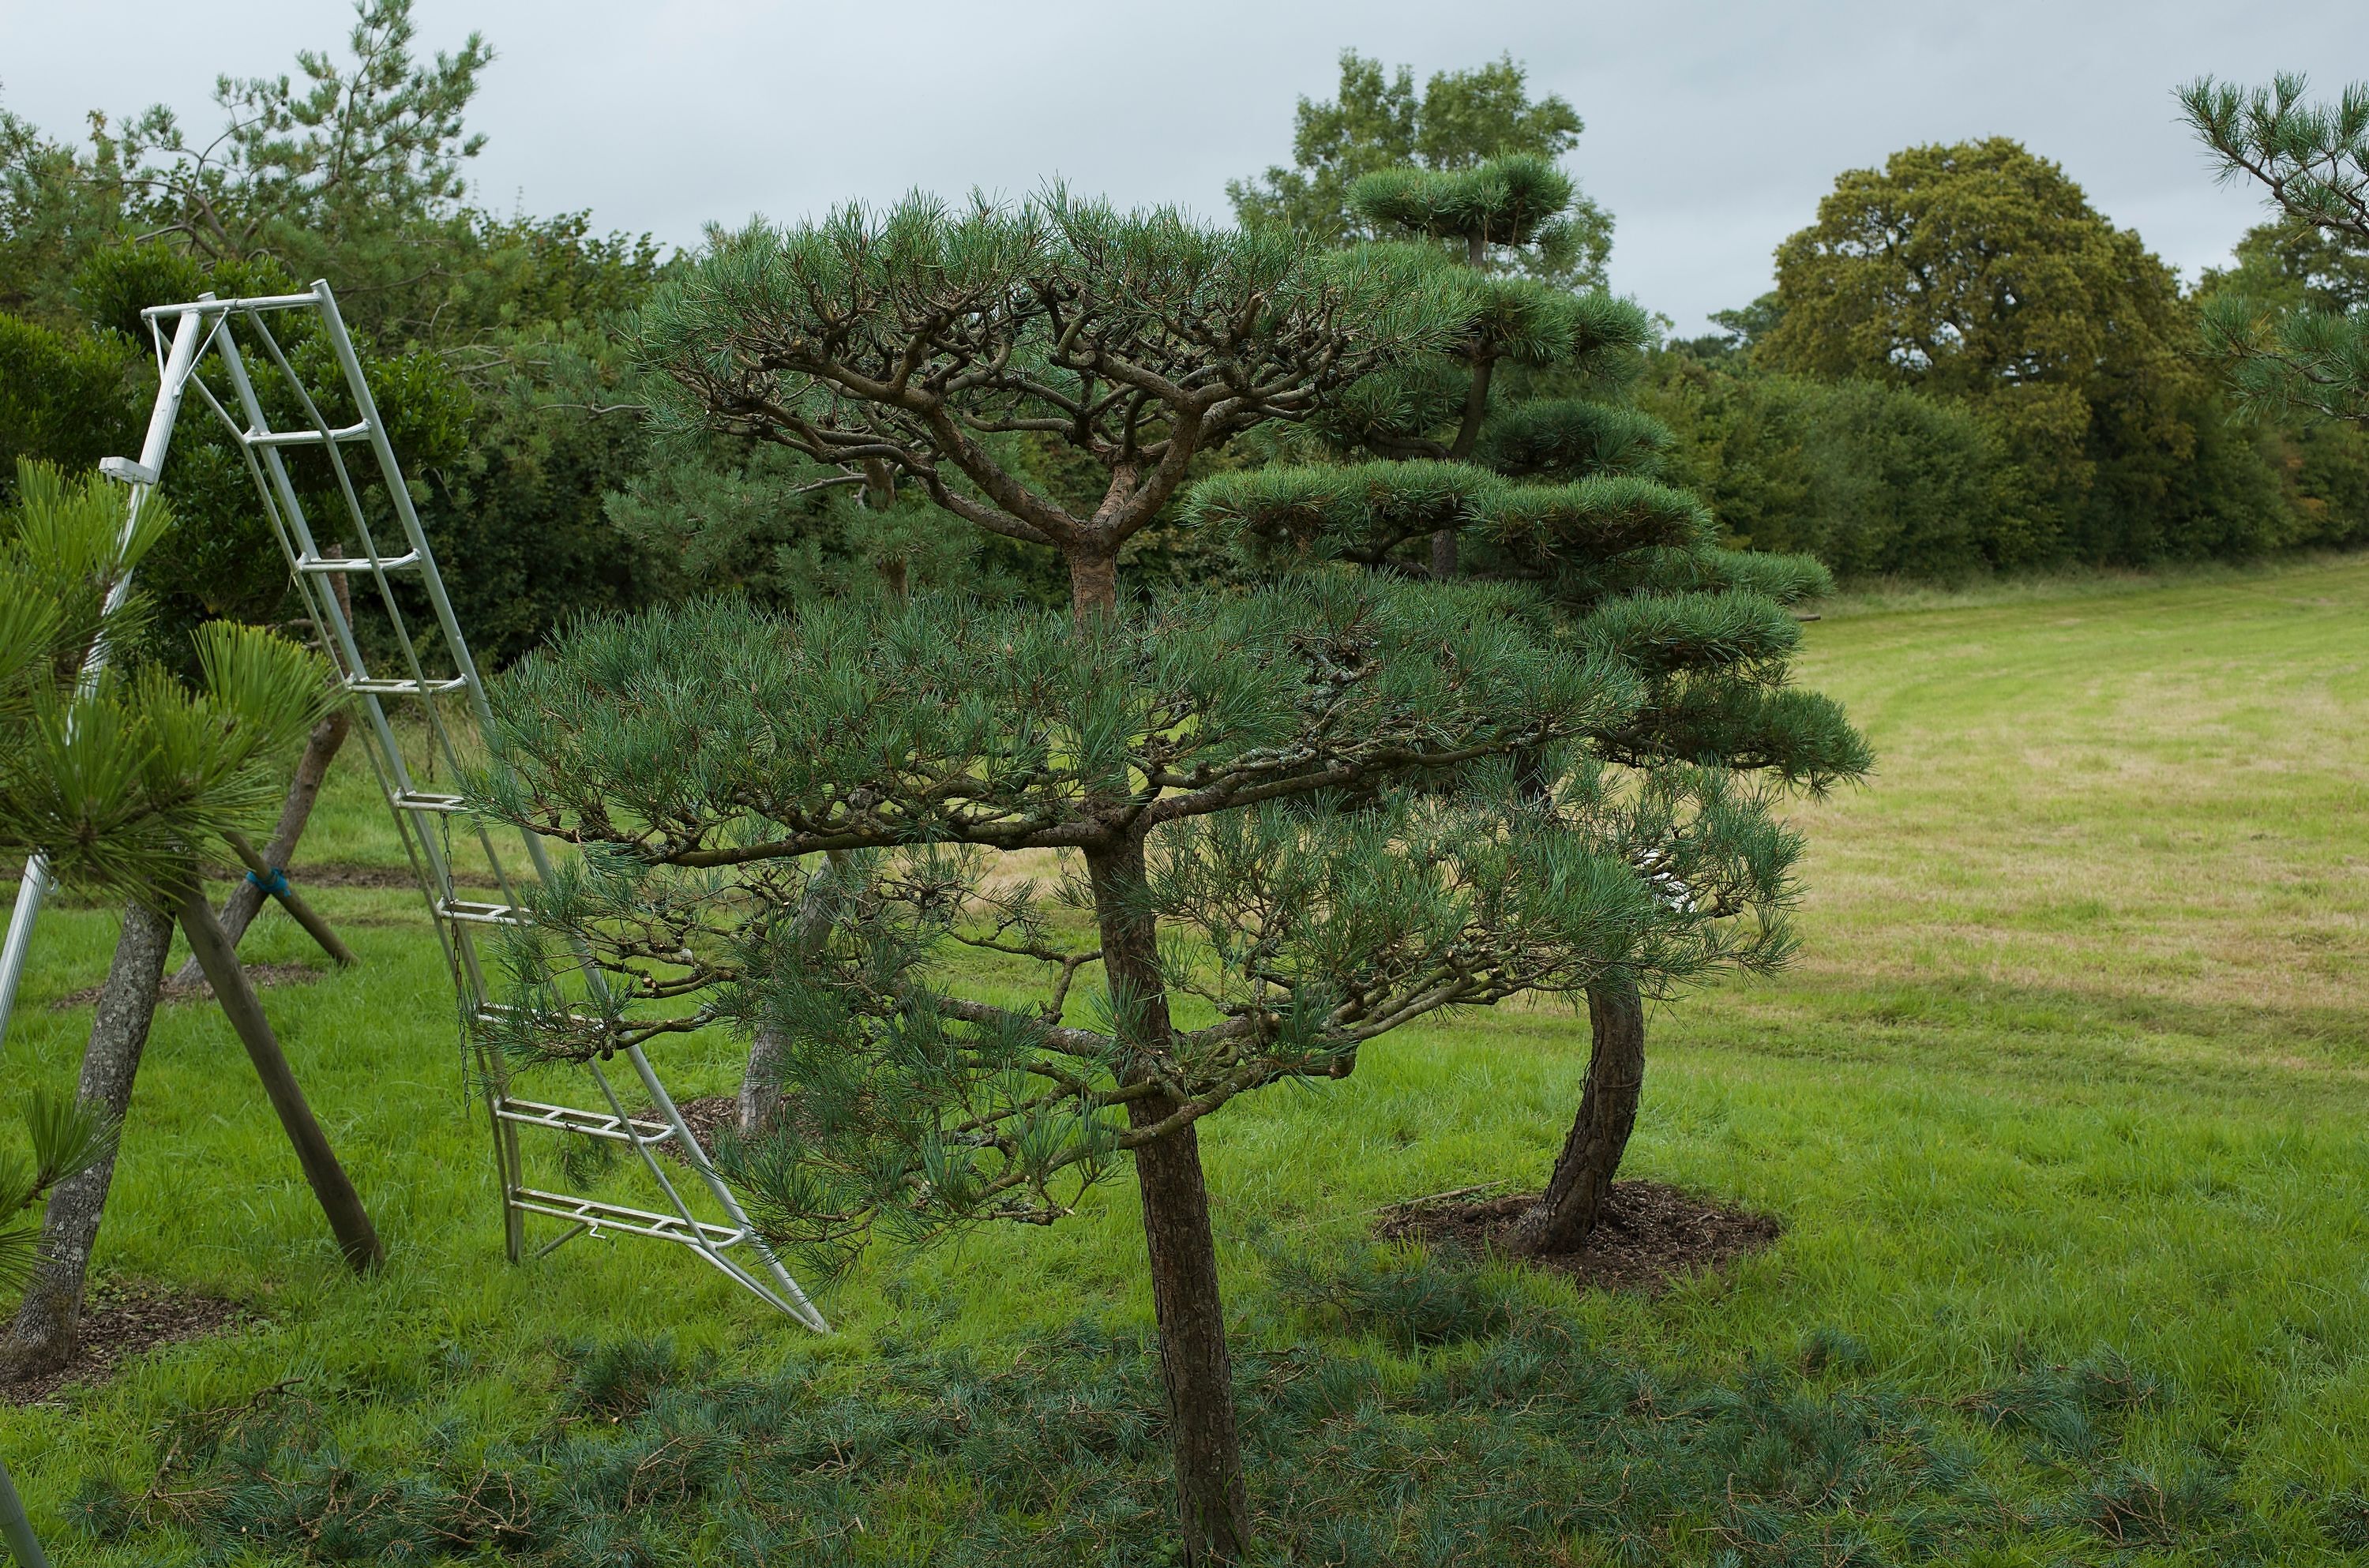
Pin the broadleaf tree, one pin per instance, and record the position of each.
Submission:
(1380, 122)
(1509, 455)
(1292, 815)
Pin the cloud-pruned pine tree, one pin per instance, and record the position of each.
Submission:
(1508, 449)
(1295, 814)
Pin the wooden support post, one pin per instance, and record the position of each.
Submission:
(337, 1198)
(274, 881)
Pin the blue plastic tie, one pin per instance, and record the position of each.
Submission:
(278, 886)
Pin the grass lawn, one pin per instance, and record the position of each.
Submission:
(2075, 1062)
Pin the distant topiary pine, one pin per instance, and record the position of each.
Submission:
(1506, 451)
(1298, 808)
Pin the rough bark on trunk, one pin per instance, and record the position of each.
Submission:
(1213, 1510)
(246, 900)
(49, 1321)
(1093, 587)
(331, 1188)
(1567, 1211)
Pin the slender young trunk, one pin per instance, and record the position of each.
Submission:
(331, 1188)
(1213, 1510)
(246, 900)
(43, 1337)
(1468, 432)
(1567, 1211)
(759, 1091)
(759, 1085)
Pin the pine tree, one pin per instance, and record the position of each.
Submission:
(2312, 161)
(1296, 813)
(1509, 452)
(121, 781)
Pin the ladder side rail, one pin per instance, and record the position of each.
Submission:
(401, 497)
(798, 1306)
(416, 536)
(469, 972)
(328, 611)
(34, 885)
(341, 344)
(358, 386)
(336, 640)
(696, 1152)
(437, 887)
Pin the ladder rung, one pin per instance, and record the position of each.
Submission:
(592, 1124)
(594, 1216)
(355, 563)
(303, 437)
(417, 800)
(478, 914)
(375, 687)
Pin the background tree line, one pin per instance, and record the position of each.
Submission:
(1963, 366)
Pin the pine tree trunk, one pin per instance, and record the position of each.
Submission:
(1566, 1213)
(760, 1084)
(1213, 1510)
(246, 900)
(43, 1339)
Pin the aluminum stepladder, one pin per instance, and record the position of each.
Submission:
(425, 819)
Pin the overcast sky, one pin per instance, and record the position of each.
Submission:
(1712, 128)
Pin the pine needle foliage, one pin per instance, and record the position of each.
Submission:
(696, 753)
(2312, 162)
(118, 781)
(67, 1138)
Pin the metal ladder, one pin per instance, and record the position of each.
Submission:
(425, 818)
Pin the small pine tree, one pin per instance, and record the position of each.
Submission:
(121, 781)
(1510, 452)
(1294, 813)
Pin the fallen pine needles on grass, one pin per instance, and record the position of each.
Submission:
(1485, 1431)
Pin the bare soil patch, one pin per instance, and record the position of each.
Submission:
(340, 875)
(121, 1323)
(707, 1117)
(262, 976)
(1651, 1234)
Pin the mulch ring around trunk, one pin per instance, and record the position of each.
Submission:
(121, 1322)
(707, 1117)
(1651, 1235)
(262, 976)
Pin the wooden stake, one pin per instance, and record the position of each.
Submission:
(274, 881)
(336, 1194)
